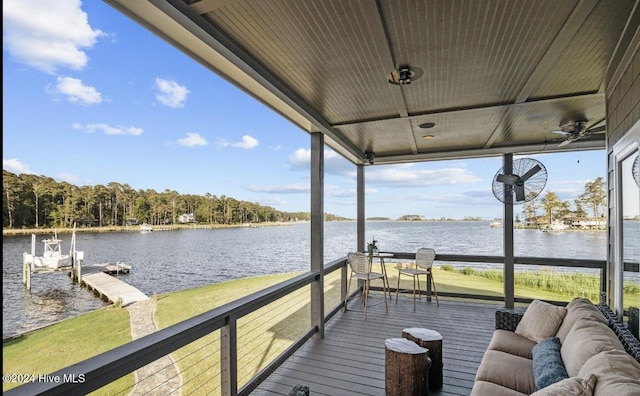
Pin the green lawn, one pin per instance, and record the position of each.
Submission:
(65, 343)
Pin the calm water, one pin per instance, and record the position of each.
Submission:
(175, 260)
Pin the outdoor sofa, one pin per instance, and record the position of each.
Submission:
(581, 349)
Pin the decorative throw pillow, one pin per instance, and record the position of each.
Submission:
(541, 320)
(573, 386)
(618, 373)
(548, 367)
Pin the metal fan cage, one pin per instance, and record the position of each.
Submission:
(533, 186)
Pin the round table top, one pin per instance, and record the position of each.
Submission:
(379, 254)
(404, 346)
(423, 334)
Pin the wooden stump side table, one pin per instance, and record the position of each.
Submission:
(431, 340)
(406, 368)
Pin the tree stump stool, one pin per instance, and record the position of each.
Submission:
(406, 368)
(431, 340)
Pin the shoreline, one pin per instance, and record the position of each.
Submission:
(136, 228)
(173, 227)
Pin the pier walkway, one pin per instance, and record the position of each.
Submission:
(161, 377)
(95, 278)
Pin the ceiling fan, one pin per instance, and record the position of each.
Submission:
(576, 130)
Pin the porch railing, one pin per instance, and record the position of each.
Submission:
(108, 367)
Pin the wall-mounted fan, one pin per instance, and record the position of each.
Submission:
(524, 183)
(577, 130)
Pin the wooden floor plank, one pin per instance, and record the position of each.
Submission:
(350, 360)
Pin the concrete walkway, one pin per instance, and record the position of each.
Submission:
(161, 377)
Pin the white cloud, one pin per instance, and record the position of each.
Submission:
(171, 93)
(76, 91)
(247, 143)
(48, 35)
(68, 177)
(109, 130)
(13, 165)
(295, 188)
(334, 163)
(272, 201)
(300, 158)
(192, 140)
(566, 190)
(406, 176)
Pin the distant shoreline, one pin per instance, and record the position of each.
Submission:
(158, 228)
(134, 228)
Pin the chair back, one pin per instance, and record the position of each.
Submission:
(424, 258)
(358, 262)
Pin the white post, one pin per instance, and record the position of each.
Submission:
(78, 259)
(27, 260)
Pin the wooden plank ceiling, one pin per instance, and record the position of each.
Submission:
(492, 76)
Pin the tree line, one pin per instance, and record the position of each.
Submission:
(31, 201)
(593, 200)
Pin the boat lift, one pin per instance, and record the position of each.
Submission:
(52, 258)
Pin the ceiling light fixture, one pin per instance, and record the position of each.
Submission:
(405, 75)
(427, 125)
(427, 137)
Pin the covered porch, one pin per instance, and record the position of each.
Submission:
(385, 82)
(394, 82)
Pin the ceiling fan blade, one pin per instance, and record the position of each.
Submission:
(507, 179)
(563, 133)
(519, 192)
(564, 143)
(599, 129)
(530, 173)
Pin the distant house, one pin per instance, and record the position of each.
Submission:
(86, 221)
(186, 218)
(586, 222)
(538, 221)
(131, 222)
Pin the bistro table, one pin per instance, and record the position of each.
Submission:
(380, 256)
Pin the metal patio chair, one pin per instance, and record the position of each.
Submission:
(424, 265)
(361, 270)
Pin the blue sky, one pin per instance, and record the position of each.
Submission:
(91, 97)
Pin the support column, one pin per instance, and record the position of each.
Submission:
(509, 286)
(317, 231)
(360, 207)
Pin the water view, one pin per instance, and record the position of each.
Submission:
(167, 261)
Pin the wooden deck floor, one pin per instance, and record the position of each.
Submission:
(350, 360)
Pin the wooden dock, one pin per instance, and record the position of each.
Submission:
(97, 278)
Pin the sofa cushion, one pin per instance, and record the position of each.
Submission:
(576, 309)
(617, 373)
(541, 320)
(505, 369)
(510, 342)
(548, 367)
(574, 386)
(587, 338)
(484, 388)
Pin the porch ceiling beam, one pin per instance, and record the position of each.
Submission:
(490, 106)
(592, 144)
